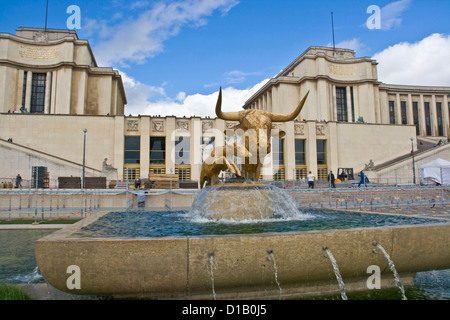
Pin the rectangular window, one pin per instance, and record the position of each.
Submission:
(278, 152)
(24, 88)
(38, 92)
(353, 104)
(439, 118)
(341, 104)
(157, 150)
(416, 116)
(321, 152)
(428, 118)
(300, 157)
(183, 172)
(392, 112)
(132, 152)
(278, 159)
(182, 151)
(403, 109)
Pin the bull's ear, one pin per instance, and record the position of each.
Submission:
(279, 133)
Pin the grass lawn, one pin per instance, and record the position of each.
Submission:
(11, 292)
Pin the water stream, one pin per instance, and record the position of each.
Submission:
(211, 268)
(271, 257)
(394, 271)
(336, 272)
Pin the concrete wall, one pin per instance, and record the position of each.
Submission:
(62, 136)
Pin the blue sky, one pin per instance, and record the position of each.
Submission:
(174, 55)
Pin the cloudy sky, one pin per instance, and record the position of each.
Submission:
(175, 54)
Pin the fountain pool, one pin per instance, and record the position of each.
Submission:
(182, 223)
(177, 255)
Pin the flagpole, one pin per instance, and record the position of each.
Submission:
(46, 17)
(332, 29)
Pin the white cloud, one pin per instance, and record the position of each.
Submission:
(391, 14)
(421, 63)
(149, 100)
(353, 44)
(143, 37)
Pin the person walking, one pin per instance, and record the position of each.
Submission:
(363, 179)
(311, 179)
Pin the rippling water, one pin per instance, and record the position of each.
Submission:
(17, 258)
(163, 224)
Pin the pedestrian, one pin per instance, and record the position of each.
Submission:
(311, 179)
(137, 183)
(363, 179)
(19, 181)
(331, 179)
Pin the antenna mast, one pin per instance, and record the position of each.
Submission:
(46, 17)
(332, 29)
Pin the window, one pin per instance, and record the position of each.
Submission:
(182, 151)
(403, 109)
(183, 172)
(428, 118)
(278, 152)
(353, 104)
(132, 152)
(157, 150)
(341, 104)
(38, 92)
(24, 88)
(322, 169)
(279, 172)
(416, 116)
(300, 158)
(392, 112)
(439, 119)
(321, 152)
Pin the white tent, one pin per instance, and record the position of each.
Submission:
(437, 171)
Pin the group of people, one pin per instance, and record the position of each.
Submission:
(332, 180)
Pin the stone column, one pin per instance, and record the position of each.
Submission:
(144, 126)
(409, 110)
(398, 109)
(48, 92)
(422, 120)
(311, 147)
(289, 150)
(434, 123)
(170, 144)
(445, 116)
(28, 91)
(349, 105)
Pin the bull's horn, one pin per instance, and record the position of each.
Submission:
(289, 117)
(228, 116)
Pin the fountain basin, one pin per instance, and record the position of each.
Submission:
(178, 267)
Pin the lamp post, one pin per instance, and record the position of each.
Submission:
(84, 158)
(413, 162)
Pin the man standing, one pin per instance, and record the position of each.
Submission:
(311, 179)
(19, 181)
(331, 179)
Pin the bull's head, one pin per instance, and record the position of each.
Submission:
(260, 123)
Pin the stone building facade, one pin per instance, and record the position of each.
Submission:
(51, 89)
